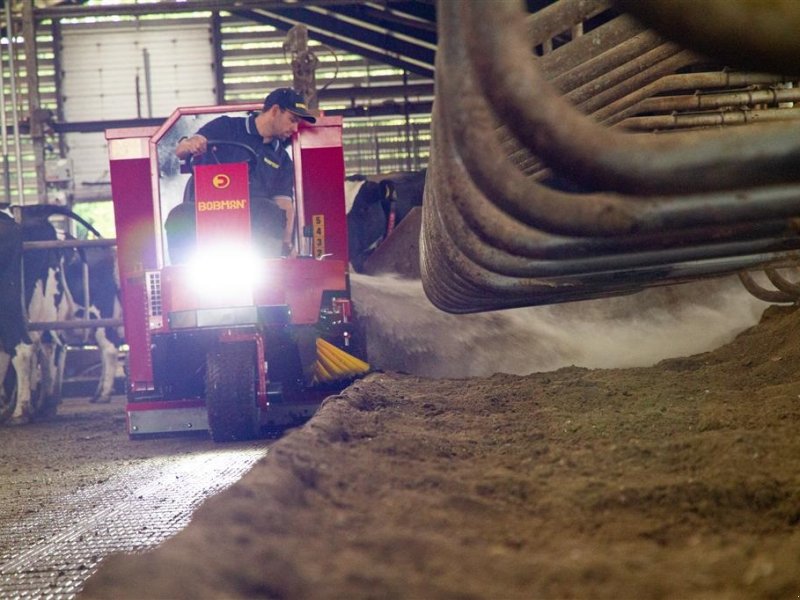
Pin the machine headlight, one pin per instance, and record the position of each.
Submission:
(225, 271)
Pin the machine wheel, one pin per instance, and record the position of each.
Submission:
(233, 412)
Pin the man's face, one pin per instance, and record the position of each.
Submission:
(285, 124)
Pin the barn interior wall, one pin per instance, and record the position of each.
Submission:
(95, 83)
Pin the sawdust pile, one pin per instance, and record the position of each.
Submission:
(678, 480)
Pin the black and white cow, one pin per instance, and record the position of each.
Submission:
(53, 291)
(375, 205)
(14, 340)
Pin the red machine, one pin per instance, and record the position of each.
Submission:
(228, 341)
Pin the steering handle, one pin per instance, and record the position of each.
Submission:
(188, 162)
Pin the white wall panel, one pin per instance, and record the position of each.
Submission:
(102, 66)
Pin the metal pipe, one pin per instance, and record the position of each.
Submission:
(53, 244)
(74, 324)
(14, 114)
(492, 238)
(763, 294)
(699, 101)
(570, 143)
(596, 68)
(783, 284)
(728, 117)
(649, 68)
(548, 22)
(4, 131)
(473, 218)
(495, 241)
(35, 113)
(579, 51)
(62, 11)
(617, 82)
(627, 106)
(148, 84)
(472, 126)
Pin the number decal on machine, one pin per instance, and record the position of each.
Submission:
(319, 235)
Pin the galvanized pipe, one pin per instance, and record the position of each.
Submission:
(492, 238)
(4, 132)
(497, 242)
(637, 74)
(572, 143)
(764, 294)
(548, 22)
(783, 284)
(600, 100)
(14, 113)
(591, 79)
(727, 117)
(578, 51)
(472, 124)
(628, 105)
(74, 324)
(707, 101)
(456, 284)
(472, 219)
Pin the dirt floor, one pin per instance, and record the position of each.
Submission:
(680, 480)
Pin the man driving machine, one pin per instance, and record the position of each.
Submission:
(271, 177)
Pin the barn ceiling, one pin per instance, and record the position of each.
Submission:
(398, 33)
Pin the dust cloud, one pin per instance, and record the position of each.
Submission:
(406, 333)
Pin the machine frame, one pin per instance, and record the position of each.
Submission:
(231, 362)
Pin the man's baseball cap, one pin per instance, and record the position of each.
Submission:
(289, 100)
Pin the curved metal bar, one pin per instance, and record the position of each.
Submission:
(578, 51)
(473, 126)
(763, 294)
(597, 68)
(552, 20)
(499, 242)
(455, 283)
(633, 75)
(572, 144)
(743, 32)
(628, 105)
(783, 284)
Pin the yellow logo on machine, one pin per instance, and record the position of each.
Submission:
(207, 205)
(221, 181)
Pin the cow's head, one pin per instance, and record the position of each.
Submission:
(368, 205)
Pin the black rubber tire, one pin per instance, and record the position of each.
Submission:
(233, 412)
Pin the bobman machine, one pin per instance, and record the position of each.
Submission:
(230, 341)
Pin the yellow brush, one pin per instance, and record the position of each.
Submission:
(334, 364)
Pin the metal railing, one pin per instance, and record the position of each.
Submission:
(641, 210)
(73, 323)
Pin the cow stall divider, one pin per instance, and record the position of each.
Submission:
(537, 194)
(84, 353)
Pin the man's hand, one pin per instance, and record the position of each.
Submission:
(191, 146)
(286, 205)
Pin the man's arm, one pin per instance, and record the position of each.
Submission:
(191, 146)
(285, 203)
